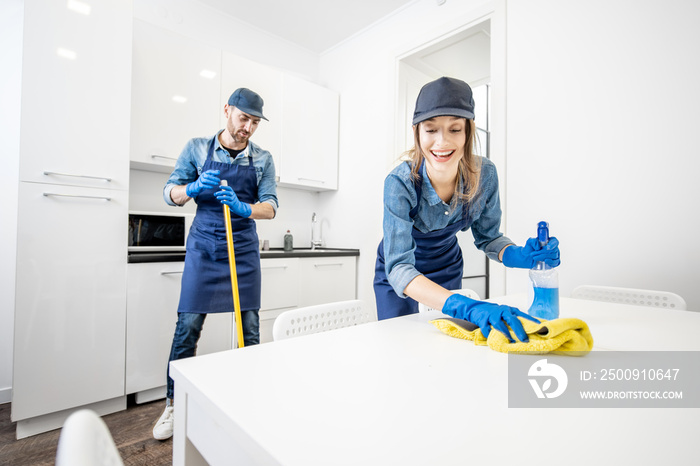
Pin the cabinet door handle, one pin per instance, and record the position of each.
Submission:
(275, 267)
(79, 176)
(77, 195)
(162, 157)
(174, 272)
(329, 265)
(312, 180)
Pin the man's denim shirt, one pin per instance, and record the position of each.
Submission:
(189, 166)
(434, 214)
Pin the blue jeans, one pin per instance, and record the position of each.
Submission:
(189, 328)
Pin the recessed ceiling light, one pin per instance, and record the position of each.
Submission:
(79, 7)
(65, 53)
(179, 99)
(207, 74)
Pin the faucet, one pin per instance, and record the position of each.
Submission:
(316, 240)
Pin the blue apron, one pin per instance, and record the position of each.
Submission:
(206, 281)
(438, 257)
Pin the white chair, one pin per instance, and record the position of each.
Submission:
(651, 298)
(85, 441)
(319, 318)
(465, 291)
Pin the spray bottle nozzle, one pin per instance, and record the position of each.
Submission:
(543, 233)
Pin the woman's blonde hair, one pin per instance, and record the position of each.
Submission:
(468, 171)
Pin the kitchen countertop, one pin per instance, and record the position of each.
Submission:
(278, 253)
(274, 253)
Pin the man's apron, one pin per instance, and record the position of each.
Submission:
(206, 281)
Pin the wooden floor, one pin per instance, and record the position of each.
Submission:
(131, 430)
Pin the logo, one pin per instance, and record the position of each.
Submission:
(547, 372)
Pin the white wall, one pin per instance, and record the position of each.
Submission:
(603, 102)
(11, 19)
(601, 108)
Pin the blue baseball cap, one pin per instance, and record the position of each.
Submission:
(248, 102)
(444, 97)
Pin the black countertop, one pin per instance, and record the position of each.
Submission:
(275, 253)
(278, 253)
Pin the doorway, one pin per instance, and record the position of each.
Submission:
(465, 55)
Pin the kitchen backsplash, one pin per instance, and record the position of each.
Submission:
(294, 214)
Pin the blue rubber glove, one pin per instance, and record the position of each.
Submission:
(228, 197)
(525, 257)
(208, 179)
(487, 315)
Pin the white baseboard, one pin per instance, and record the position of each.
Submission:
(5, 395)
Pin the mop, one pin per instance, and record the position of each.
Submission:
(234, 276)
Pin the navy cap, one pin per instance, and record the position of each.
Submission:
(248, 102)
(444, 97)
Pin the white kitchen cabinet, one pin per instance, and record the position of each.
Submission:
(327, 279)
(280, 291)
(293, 282)
(76, 75)
(70, 305)
(70, 300)
(153, 294)
(267, 82)
(310, 115)
(175, 95)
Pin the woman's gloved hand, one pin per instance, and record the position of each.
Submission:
(208, 179)
(487, 315)
(228, 197)
(525, 257)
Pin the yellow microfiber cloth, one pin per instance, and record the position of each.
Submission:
(567, 336)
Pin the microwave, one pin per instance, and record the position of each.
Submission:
(158, 231)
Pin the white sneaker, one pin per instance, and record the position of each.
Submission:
(163, 429)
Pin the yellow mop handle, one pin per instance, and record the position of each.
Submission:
(234, 276)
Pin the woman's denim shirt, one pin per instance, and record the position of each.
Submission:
(189, 166)
(434, 214)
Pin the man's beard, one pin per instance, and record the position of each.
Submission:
(238, 137)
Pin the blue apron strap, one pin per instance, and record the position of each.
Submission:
(418, 187)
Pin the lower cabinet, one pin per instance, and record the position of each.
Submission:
(70, 300)
(303, 281)
(153, 293)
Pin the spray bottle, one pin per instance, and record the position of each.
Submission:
(545, 281)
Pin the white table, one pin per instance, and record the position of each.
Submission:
(399, 392)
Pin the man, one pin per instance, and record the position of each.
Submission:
(251, 194)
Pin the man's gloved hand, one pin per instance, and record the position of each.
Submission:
(208, 179)
(525, 257)
(228, 197)
(487, 315)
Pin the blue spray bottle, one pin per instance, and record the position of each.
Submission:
(545, 281)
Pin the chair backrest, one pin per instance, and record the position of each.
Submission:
(465, 291)
(85, 441)
(651, 298)
(319, 318)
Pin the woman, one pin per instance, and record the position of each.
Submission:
(444, 188)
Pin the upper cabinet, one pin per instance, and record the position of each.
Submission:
(309, 136)
(176, 84)
(179, 90)
(75, 114)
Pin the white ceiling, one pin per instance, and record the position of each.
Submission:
(316, 25)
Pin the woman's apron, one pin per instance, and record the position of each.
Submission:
(438, 257)
(206, 281)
